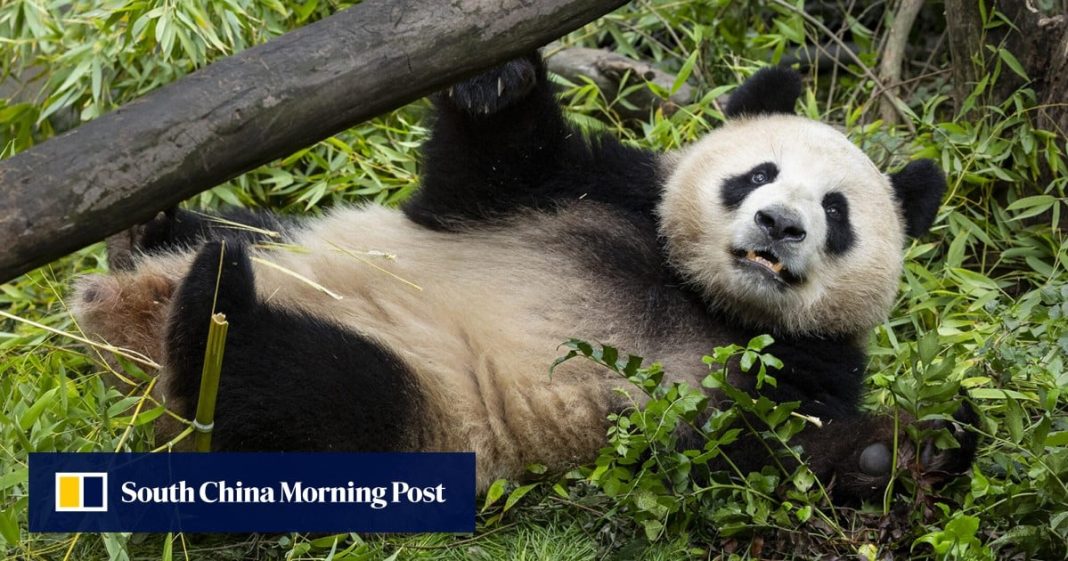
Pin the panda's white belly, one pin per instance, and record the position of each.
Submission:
(477, 316)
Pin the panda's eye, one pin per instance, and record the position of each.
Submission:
(836, 207)
(736, 188)
(840, 235)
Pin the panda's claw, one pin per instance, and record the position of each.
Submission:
(497, 89)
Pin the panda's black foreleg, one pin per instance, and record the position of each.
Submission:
(501, 144)
(496, 139)
(854, 456)
(289, 381)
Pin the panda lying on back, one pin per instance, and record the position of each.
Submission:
(449, 312)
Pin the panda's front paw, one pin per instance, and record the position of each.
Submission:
(497, 89)
(865, 472)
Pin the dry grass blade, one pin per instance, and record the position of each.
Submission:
(353, 254)
(298, 276)
(239, 225)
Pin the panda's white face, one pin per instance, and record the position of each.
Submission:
(785, 224)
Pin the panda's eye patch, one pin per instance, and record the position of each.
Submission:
(736, 189)
(840, 237)
(835, 205)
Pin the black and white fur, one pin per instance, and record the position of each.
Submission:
(433, 327)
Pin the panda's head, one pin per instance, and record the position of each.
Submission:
(782, 223)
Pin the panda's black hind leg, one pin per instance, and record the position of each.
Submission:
(220, 280)
(289, 380)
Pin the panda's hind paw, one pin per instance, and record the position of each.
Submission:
(496, 89)
(219, 280)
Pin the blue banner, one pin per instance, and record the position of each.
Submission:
(252, 492)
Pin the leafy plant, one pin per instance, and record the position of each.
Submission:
(985, 295)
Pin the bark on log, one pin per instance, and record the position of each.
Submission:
(254, 107)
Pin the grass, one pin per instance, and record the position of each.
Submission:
(983, 303)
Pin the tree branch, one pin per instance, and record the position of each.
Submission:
(254, 107)
(894, 55)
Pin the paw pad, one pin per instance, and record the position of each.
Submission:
(876, 460)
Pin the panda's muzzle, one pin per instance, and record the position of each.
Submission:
(767, 262)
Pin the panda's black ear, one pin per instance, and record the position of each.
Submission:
(918, 188)
(771, 90)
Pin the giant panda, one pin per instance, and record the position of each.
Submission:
(432, 327)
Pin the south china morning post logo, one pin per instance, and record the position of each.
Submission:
(81, 492)
(252, 492)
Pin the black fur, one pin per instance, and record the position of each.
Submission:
(918, 188)
(178, 228)
(289, 381)
(525, 156)
(840, 236)
(737, 188)
(771, 90)
(496, 89)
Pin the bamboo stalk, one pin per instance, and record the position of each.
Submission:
(209, 383)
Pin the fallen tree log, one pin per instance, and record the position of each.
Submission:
(254, 107)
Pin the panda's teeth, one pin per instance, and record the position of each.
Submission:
(776, 267)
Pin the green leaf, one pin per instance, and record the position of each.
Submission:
(760, 342)
(34, 411)
(518, 494)
(9, 527)
(928, 347)
(1013, 63)
(685, 71)
(653, 529)
(1057, 439)
(1031, 206)
(495, 492)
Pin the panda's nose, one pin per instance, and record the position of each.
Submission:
(780, 224)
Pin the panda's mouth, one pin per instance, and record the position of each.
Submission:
(765, 261)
